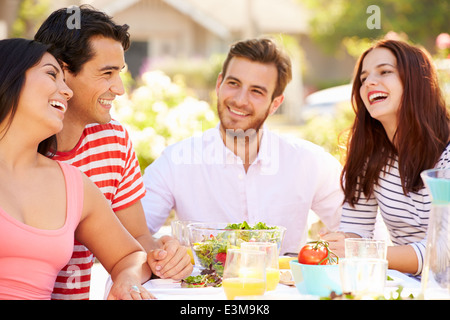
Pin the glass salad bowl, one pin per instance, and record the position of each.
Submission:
(211, 240)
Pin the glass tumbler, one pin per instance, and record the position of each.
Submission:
(435, 282)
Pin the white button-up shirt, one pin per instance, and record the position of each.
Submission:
(203, 180)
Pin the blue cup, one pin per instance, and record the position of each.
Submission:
(318, 280)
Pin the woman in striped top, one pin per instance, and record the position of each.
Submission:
(401, 128)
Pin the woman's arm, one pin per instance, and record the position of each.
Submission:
(166, 257)
(120, 254)
(356, 222)
(402, 258)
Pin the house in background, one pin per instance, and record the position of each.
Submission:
(199, 28)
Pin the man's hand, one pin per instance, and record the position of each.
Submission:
(171, 260)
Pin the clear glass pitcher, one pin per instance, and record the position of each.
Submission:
(436, 270)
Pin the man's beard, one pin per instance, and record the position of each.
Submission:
(254, 125)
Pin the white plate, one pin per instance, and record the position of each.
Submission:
(187, 291)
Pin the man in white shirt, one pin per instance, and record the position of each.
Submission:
(240, 171)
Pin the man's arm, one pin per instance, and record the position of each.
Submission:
(166, 257)
(133, 220)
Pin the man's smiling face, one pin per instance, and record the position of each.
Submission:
(98, 82)
(244, 94)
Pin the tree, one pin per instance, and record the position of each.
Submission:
(30, 16)
(421, 21)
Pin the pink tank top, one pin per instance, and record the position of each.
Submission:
(31, 258)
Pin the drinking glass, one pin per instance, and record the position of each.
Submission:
(365, 248)
(244, 273)
(180, 232)
(435, 280)
(272, 265)
(363, 277)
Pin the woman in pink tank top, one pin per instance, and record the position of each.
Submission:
(44, 204)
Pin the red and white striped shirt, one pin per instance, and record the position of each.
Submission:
(105, 154)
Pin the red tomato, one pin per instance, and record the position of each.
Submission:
(312, 253)
(221, 257)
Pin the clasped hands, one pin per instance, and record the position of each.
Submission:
(169, 261)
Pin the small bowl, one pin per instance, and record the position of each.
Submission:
(211, 240)
(318, 280)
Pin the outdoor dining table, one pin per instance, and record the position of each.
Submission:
(167, 289)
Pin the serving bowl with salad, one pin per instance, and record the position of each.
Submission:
(210, 241)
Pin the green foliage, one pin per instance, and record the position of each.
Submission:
(159, 112)
(30, 16)
(330, 130)
(199, 75)
(422, 21)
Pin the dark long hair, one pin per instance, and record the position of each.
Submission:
(16, 57)
(422, 133)
(72, 45)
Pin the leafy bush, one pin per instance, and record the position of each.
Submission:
(330, 130)
(160, 112)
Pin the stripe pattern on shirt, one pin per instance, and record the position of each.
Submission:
(105, 154)
(405, 216)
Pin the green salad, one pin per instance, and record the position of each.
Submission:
(201, 281)
(211, 250)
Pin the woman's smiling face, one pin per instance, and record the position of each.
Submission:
(44, 95)
(381, 87)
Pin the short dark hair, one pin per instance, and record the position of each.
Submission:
(72, 45)
(16, 57)
(265, 51)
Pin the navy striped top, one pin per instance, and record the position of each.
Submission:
(405, 216)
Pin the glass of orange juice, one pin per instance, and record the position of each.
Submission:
(244, 273)
(272, 263)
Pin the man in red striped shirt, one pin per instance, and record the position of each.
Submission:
(93, 56)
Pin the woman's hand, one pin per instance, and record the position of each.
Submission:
(127, 276)
(336, 241)
(125, 291)
(171, 260)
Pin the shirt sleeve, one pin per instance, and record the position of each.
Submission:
(159, 199)
(328, 196)
(360, 219)
(131, 186)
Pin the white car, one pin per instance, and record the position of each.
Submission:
(324, 101)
